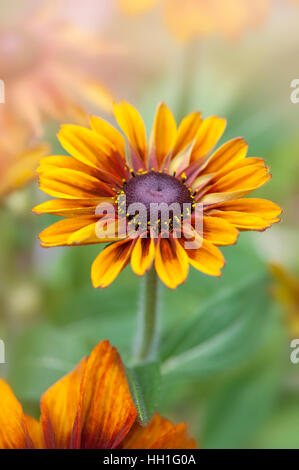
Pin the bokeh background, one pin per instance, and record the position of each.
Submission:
(225, 349)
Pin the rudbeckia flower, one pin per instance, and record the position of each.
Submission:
(90, 408)
(192, 18)
(19, 156)
(43, 65)
(178, 167)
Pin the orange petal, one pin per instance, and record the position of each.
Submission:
(171, 262)
(164, 132)
(71, 207)
(73, 184)
(248, 214)
(58, 234)
(22, 170)
(207, 259)
(130, 121)
(12, 430)
(110, 262)
(187, 131)
(207, 136)
(87, 146)
(159, 433)
(237, 183)
(255, 206)
(228, 154)
(55, 162)
(219, 231)
(59, 408)
(34, 431)
(107, 411)
(104, 230)
(143, 255)
(105, 129)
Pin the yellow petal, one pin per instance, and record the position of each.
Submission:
(72, 184)
(143, 255)
(207, 259)
(187, 131)
(71, 207)
(130, 121)
(105, 129)
(110, 262)
(87, 146)
(207, 136)
(159, 433)
(171, 262)
(237, 183)
(228, 154)
(219, 231)
(164, 132)
(107, 411)
(259, 207)
(58, 234)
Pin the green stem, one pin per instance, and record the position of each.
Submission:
(187, 79)
(147, 333)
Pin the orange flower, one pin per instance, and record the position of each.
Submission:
(18, 157)
(192, 18)
(178, 167)
(286, 291)
(90, 408)
(43, 59)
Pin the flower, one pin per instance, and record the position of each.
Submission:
(90, 408)
(44, 59)
(177, 167)
(286, 291)
(200, 17)
(19, 156)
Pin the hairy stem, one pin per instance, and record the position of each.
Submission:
(147, 332)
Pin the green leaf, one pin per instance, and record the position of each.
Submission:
(145, 385)
(237, 408)
(224, 333)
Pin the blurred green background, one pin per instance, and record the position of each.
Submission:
(225, 349)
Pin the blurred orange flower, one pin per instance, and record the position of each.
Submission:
(44, 66)
(176, 167)
(189, 18)
(286, 291)
(90, 408)
(19, 155)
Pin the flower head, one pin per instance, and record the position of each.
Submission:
(90, 408)
(202, 191)
(44, 59)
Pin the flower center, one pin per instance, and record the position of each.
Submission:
(162, 197)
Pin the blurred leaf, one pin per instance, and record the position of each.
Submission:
(145, 385)
(41, 357)
(226, 331)
(237, 409)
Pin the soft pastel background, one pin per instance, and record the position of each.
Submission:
(225, 351)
